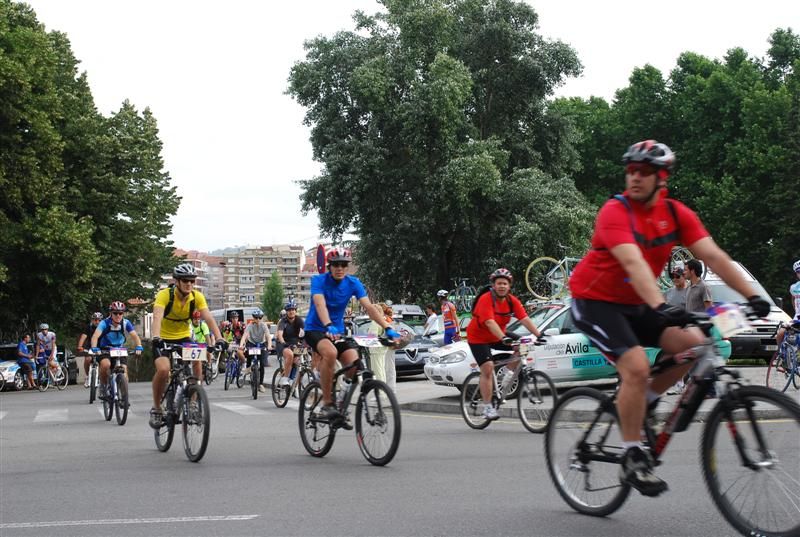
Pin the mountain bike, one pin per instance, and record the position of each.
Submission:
(783, 368)
(302, 376)
(233, 368)
(186, 403)
(256, 353)
(93, 377)
(115, 399)
(211, 368)
(535, 392)
(462, 295)
(748, 449)
(377, 413)
(46, 375)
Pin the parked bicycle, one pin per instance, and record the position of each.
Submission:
(115, 399)
(46, 375)
(301, 376)
(548, 278)
(186, 403)
(233, 368)
(535, 392)
(377, 413)
(748, 450)
(783, 368)
(463, 294)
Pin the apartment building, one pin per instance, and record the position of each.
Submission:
(246, 273)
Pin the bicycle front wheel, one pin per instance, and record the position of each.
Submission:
(749, 458)
(777, 376)
(471, 402)
(166, 432)
(108, 402)
(546, 278)
(317, 434)
(583, 449)
(254, 380)
(280, 394)
(536, 400)
(121, 403)
(92, 384)
(378, 423)
(196, 422)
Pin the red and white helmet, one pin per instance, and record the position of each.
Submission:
(338, 253)
(501, 273)
(117, 306)
(656, 154)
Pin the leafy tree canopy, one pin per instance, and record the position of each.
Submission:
(272, 297)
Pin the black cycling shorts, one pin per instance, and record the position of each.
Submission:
(313, 337)
(482, 352)
(617, 328)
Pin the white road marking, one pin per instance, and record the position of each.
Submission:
(51, 415)
(16, 525)
(240, 408)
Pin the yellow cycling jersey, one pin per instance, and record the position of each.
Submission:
(177, 324)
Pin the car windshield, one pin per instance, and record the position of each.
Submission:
(538, 316)
(721, 293)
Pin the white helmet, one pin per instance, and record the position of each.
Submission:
(441, 293)
(796, 266)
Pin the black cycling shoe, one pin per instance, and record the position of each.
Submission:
(329, 412)
(156, 418)
(637, 471)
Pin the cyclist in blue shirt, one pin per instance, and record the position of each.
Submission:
(112, 332)
(330, 294)
(794, 291)
(25, 359)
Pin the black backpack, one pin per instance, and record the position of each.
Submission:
(658, 241)
(107, 329)
(168, 307)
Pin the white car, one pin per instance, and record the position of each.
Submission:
(567, 354)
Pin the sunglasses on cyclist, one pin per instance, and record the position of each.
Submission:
(117, 313)
(640, 168)
(339, 264)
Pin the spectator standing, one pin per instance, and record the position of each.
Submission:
(432, 322)
(382, 358)
(698, 297)
(450, 318)
(25, 359)
(676, 295)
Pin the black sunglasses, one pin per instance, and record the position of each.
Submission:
(339, 264)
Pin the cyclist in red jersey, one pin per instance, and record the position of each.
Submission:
(618, 305)
(487, 330)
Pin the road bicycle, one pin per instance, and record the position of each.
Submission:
(748, 449)
(679, 257)
(186, 402)
(302, 375)
(256, 353)
(93, 377)
(233, 368)
(547, 278)
(211, 368)
(115, 394)
(462, 295)
(47, 375)
(535, 392)
(377, 412)
(783, 368)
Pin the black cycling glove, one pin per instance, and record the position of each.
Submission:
(512, 336)
(759, 306)
(221, 345)
(674, 315)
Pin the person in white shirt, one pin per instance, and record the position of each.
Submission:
(432, 323)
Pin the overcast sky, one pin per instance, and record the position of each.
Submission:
(214, 74)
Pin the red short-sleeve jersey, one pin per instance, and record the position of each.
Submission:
(599, 276)
(489, 307)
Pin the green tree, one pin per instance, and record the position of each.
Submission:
(272, 296)
(424, 117)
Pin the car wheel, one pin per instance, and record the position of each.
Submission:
(19, 382)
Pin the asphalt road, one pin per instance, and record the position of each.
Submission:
(65, 471)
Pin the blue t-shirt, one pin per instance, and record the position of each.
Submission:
(337, 296)
(116, 335)
(23, 348)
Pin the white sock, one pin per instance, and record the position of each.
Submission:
(636, 443)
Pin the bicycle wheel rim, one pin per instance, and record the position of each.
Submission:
(546, 278)
(121, 402)
(763, 499)
(280, 394)
(108, 405)
(92, 385)
(196, 422)
(42, 380)
(777, 376)
(378, 424)
(62, 378)
(536, 400)
(165, 433)
(254, 380)
(317, 436)
(572, 454)
(471, 402)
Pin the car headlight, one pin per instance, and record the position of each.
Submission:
(453, 357)
(432, 359)
(4, 368)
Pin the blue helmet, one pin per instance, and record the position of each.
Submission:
(257, 313)
(290, 306)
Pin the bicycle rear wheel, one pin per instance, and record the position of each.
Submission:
(378, 424)
(61, 377)
(471, 403)
(583, 449)
(317, 435)
(546, 278)
(42, 378)
(121, 402)
(306, 378)
(749, 459)
(777, 376)
(196, 422)
(536, 400)
(280, 394)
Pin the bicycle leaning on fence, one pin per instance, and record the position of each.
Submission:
(377, 413)
(186, 403)
(783, 368)
(535, 392)
(748, 449)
